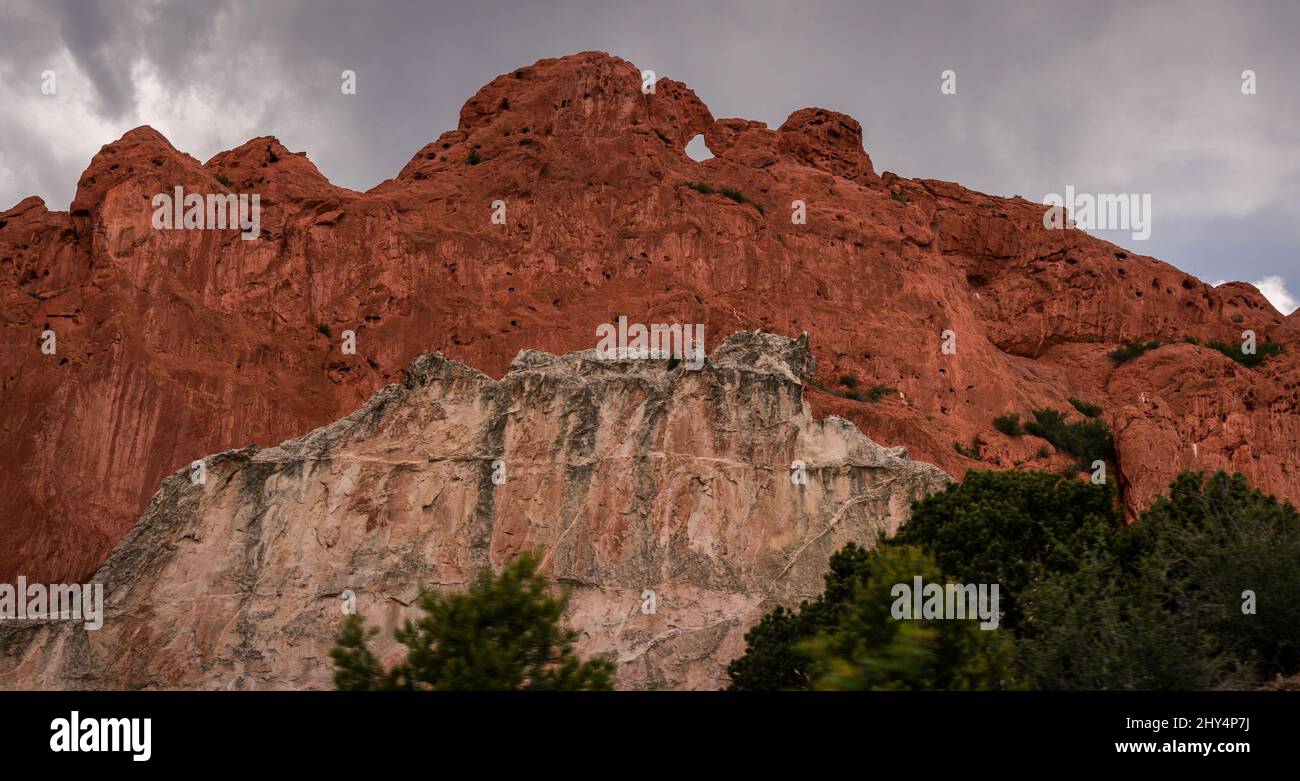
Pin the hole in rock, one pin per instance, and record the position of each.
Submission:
(697, 150)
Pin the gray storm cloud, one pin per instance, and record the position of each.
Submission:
(90, 33)
(1107, 96)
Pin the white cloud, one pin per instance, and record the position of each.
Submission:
(49, 139)
(1274, 289)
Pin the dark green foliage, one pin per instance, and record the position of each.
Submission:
(730, 192)
(355, 667)
(1008, 527)
(734, 194)
(1161, 607)
(1131, 351)
(898, 197)
(1087, 440)
(1091, 410)
(224, 181)
(323, 328)
(503, 633)
(1090, 602)
(473, 158)
(869, 649)
(879, 392)
(847, 638)
(1009, 424)
(1098, 628)
(1249, 360)
(872, 395)
(1262, 353)
(969, 452)
(771, 660)
(848, 381)
(1215, 538)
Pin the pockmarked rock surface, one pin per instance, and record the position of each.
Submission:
(661, 498)
(174, 343)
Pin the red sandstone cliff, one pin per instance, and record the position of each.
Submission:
(174, 344)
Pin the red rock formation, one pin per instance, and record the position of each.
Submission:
(174, 344)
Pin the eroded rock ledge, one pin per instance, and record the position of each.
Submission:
(628, 475)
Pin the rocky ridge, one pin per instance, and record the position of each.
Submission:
(176, 343)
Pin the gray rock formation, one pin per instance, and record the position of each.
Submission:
(627, 476)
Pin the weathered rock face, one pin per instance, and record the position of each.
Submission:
(627, 475)
(177, 343)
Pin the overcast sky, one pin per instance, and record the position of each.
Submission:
(1140, 97)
